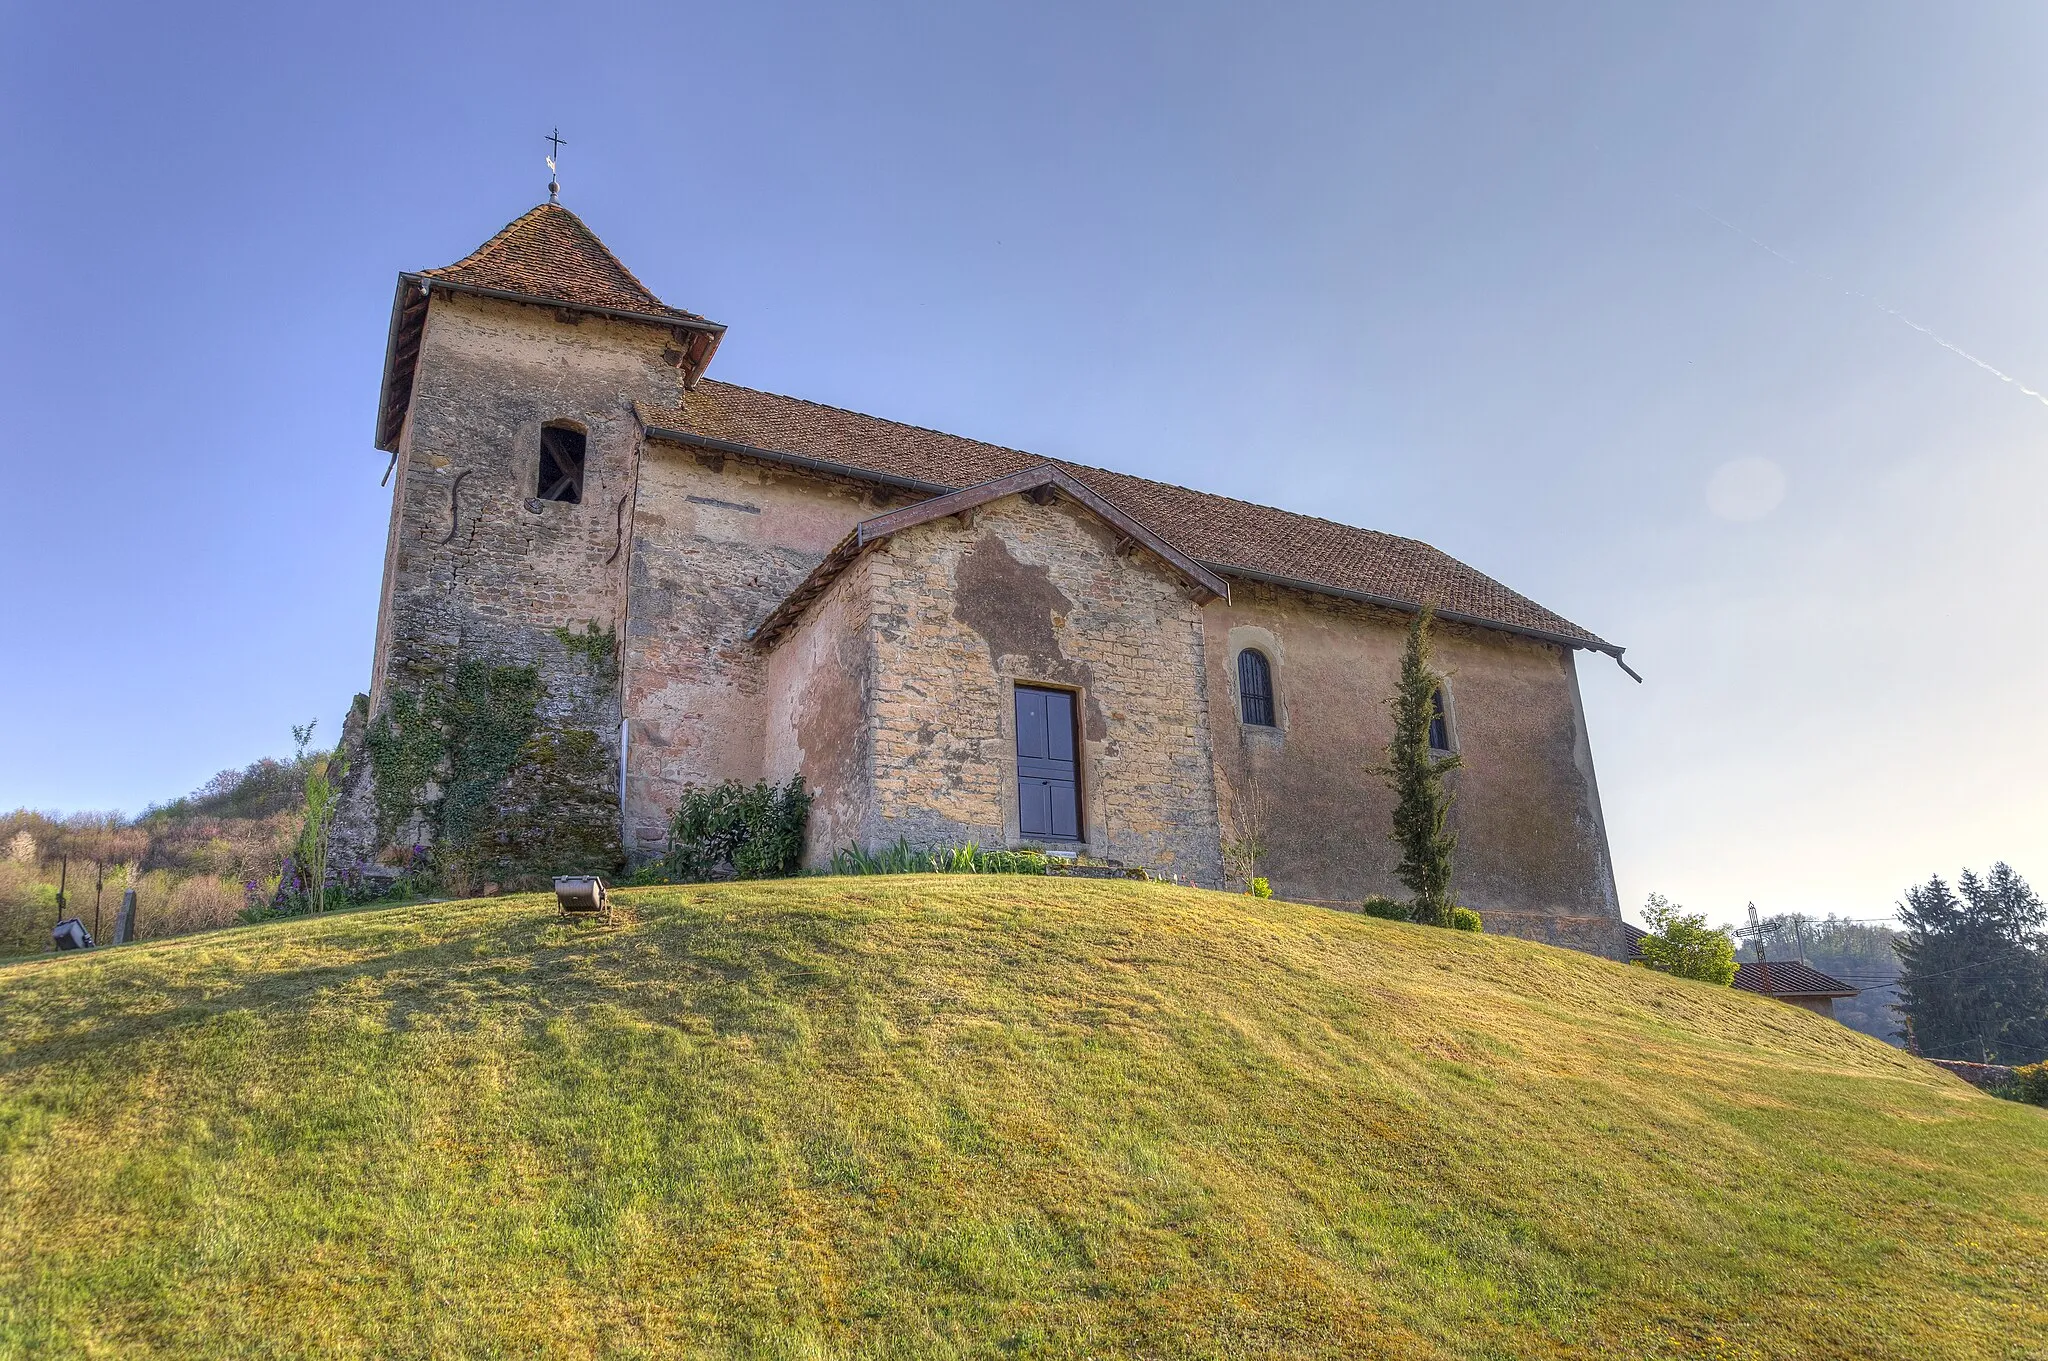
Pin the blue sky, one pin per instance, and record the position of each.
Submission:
(1449, 271)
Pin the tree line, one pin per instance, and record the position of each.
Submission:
(249, 843)
(1963, 976)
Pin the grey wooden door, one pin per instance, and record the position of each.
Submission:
(1048, 800)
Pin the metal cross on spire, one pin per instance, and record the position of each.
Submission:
(554, 178)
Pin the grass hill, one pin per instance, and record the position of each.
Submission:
(989, 1115)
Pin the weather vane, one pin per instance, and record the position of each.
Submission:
(554, 179)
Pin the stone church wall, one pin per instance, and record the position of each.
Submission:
(1039, 594)
(717, 541)
(476, 570)
(1532, 851)
(490, 375)
(820, 718)
(894, 696)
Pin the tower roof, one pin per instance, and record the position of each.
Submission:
(545, 256)
(548, 253)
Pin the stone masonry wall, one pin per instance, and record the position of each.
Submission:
(820, 715)
(894, 697)
(1039, 594)
(475, 569)
(1532, 850)
(717, 541)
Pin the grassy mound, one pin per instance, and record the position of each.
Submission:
(977, 1116)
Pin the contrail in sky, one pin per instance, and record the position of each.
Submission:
(2000, 374)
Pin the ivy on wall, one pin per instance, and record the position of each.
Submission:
(489, 714)
(406, 749)
(599, 649)
(503, 799)
(557, 813)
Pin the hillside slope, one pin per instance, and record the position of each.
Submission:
(976, 1115)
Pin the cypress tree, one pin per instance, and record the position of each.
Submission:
(1422, 798)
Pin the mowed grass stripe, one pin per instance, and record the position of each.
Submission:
(976, 1115)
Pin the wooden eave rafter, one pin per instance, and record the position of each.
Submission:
(1041, 485)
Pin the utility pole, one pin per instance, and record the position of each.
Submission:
(1763, 963)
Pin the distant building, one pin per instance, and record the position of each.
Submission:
(1789, 981)
(949, 641)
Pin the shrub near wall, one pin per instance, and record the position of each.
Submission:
(904, 858)
(738, 831)
(2029, 1084)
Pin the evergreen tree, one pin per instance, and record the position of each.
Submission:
(1422, 798)
(1974, 978)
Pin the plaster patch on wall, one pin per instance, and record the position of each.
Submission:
(1018, 612)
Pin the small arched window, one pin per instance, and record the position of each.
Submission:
(1439, 722)
(1255, 688)
(561, 464)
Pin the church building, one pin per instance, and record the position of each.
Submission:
(648, 579)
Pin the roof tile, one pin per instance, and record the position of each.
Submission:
(548, 253)
(1216, 530)
(1789, 978)
(1773, 978)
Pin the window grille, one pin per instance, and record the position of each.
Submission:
(1255, 688)
(1439, 722)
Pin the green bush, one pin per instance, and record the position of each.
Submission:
(1465, 919)
(903, 858)
(2029, 1084)
(1385, 908)
(1681, 944)
(1259, 888)
(738, 831)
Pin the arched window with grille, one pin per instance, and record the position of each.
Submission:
(1255, 688)
(1439, 722)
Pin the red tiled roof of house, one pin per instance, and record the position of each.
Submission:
(548, 253)
(1789, 978)
(1235, 537)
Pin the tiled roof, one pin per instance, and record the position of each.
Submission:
(545, 256)
(1235, 537)
(1789, 978)
(548, 253)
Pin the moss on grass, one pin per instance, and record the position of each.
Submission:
(938, 1116)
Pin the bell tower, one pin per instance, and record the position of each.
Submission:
(511, 379)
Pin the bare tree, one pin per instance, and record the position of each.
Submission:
(100, 840)
(1246, 851)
